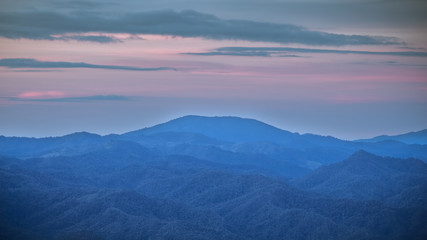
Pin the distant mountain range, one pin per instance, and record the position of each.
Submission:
(419, 137)
(211, 178)
(238, 140)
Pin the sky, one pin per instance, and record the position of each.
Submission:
(350, 69)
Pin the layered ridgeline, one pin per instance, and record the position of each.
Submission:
(211, 178)
(229, 140)
(419, 137)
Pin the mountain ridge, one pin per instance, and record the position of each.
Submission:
(232, 134)
(226, 128)
(414, 137)
(366, 176)
(158, 128)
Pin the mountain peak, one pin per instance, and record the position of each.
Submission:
(82, 136)
(194, 117)
(83, 133)
(227, 128)
(365, 162)
(215, 118)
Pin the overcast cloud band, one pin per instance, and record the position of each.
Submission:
(188, 23)
(279, 51)
(32, 63)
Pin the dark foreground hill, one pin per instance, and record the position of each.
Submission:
(102, 196)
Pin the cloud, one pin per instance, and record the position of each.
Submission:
(188, 23)
(82, 4)
(82, 38)
(50, 97)
(395, 63)
(32, 63)
(279, 51)
(226, 53)
(412, 48)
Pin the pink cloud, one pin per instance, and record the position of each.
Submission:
(41, 94)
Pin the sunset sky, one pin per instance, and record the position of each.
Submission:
(351, 69)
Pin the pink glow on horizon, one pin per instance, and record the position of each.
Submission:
(41, 94)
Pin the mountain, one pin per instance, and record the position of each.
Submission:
(232, 129)
(248, 135)
(365, 176)
(71, 144)
(419, 137)
(211, 178)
